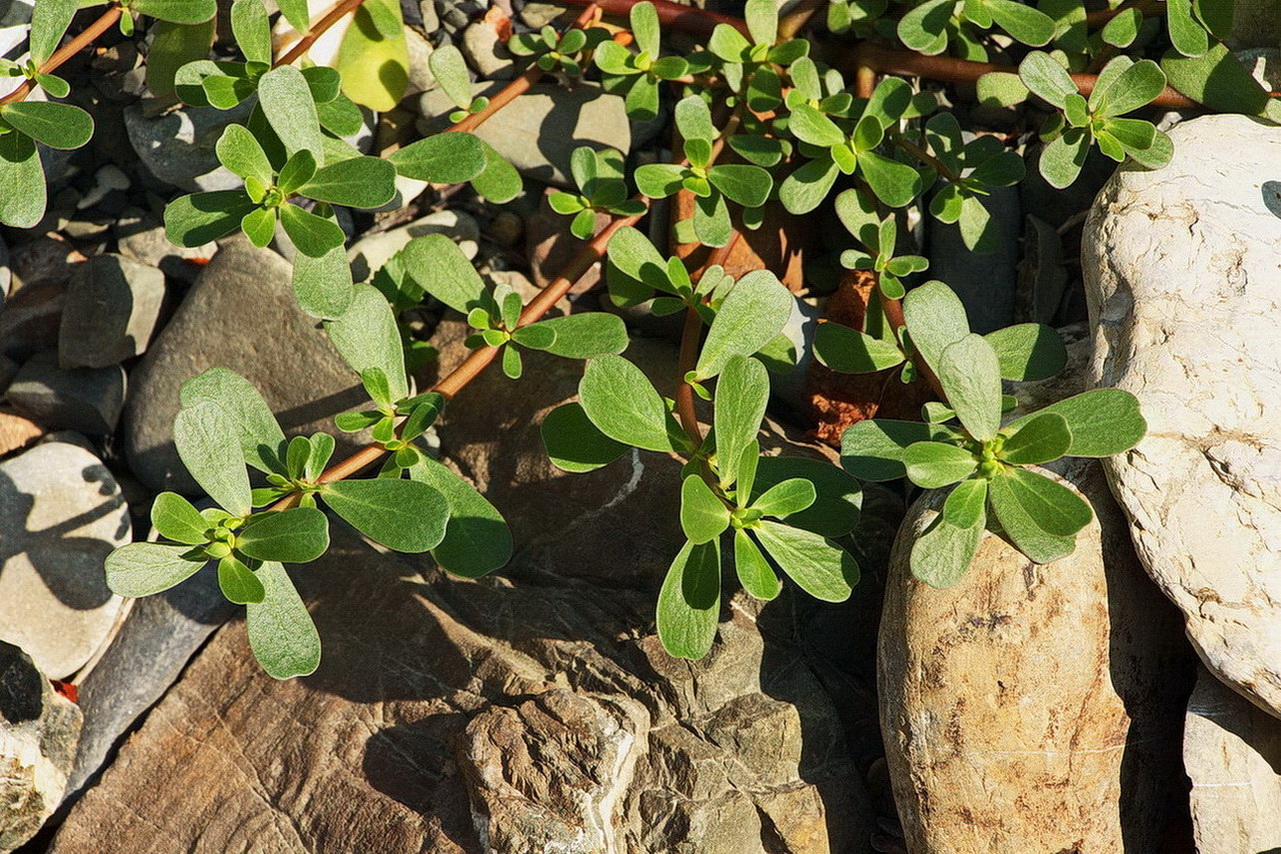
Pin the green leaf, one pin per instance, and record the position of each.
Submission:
(53, 124)
(477, 540)
(584, 336)
(703, 516)
(1123, 29)
(259, 225)
(809, 125)
(852, 352)
(1028, 351)
(297, 13)
(446, 158)
(1041, 439)
(689, 602)
(644, 21)
(742, 393)
(1021, 528)
(932, 465)
(141, 569)
(935, 319)
(820, 567)
(1027, 24)
(367, 337)
(1103, 422)
(206, 439)
(361, 182)
(240, 152)
(281, 632)
(312, 235)
(1056, 509)
(783, 499)
(755, 311)
(747, 185)
(450, 70)
(970, 373)
(254, 425)
(176, 11)
(942, 555)
(1218, 80)
(835, 510)
(499, 182)
(323, 285)
(894, 183)
(252, 30)
(574, 443)
(659, 180)
(754, 571)
(49, 22)
(298, 535)
(762, 21)
(238, 582)
(403, 515)
(805, 189)
(534, 337)
(322, 449)
(1188, 37)
(374, 58)
(921, 28)
(176, 519)
(1133, 88)
(199, 218)
(23, 194)
(286, 102)
(622, 403)
(440, 268)
(1062, 160)
(873, 450)
(1046, 78)
(694, 118)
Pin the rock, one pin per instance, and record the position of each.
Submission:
(539, 131)
(6, 276)
(108, 179)
(1264, 65)
(486, 52)
(61, 513)
(1029, 691)
(1254, 23)
(15, 20)
(38, 733)
(371, 252)
(178, 147)
(112, 306)
(427, 13)
(985, 282)
(538, 15)
(420, 77)
(454, 15)
(143, 239)
(17, 432)
(1232, 753)
(1192, 333)
(550, 246)
(241, 314)
(87, 400)
(32, 313)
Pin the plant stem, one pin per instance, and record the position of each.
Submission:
(688, 19)
(333, 16)
(82, 40)
(925, 157)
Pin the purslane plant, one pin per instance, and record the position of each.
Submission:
(760, 123)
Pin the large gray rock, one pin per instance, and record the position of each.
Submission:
(1232, 753)
(487, 53)
(539, 131)
(1025, 692)
(61, 513)
(87, 400)
(1183, 284)
(38, 733)
(178, 147)
(112, 306)
(142, 238)
(241, 314)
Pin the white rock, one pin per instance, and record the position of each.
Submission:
(1232, 753)
(61, 513)
(1184, 287)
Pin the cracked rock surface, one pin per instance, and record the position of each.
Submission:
(1185, 294)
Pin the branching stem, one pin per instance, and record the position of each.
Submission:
(82, 40)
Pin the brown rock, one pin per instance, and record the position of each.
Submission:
(1028, 708)
(17, 432)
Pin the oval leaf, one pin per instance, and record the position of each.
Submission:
(477, 540)
(703, 516)
(298, 535)
(820, 567)
(141, 569)
(622, 403)
(207, 441)
(403, 515)
(689, 602)
(755, 311)
(282, 635)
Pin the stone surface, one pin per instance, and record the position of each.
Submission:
(539, 131)
(8, 370)
(38, 732)
(1027, 692)
(87, 400)
(986, 281)
(1255, 23)
(17, 432)
(178, 147)
(486, 51)
(420, 50)
(61, 513)
(241, 314)
(1232, 753)
(143, 239)
(32, 312)
(112, 306)
(371, 252)
(1184, 287)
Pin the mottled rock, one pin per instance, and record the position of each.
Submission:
(6, 276)
(1232, 753)
(241, 314)
(550, 246)
(539, 131)
(143, 239)
(420, 50)
(178, 147)
(1025, 692)
(1183, 286)
(1255, 23)
(61, 513)
(87, 400)
(38, 733)
(112, 306)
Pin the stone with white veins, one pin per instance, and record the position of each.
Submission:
(1185, 290)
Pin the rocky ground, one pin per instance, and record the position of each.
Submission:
(535, 710)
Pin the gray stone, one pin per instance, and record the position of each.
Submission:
(1256, 23)
(539, 131)
(108, 179)
(61, 513)
(8, 370)
(112, 306)
(1232, 753)
(143, 239)
(371, 252)
(538, 15)
(241, 314)
(178, 147)
(15, 21)
(454, 15)
(430, 20)
(1183, 284)
(420, 77)
(38, 733)
(1264, 64)
(487, 53)
(87, 400)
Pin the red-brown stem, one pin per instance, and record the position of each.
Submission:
(672, 15)
(951, 70)
(105, 21)
(333, 16)
(893, 309)
(685, 413)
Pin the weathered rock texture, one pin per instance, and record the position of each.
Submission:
(1232, 752)
(38, 732)
(1185, 292)
(1034, 709)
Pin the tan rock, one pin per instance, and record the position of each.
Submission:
(1027, 709)
(17, 432)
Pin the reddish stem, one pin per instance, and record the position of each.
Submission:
(333, 16)
(105, 21)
